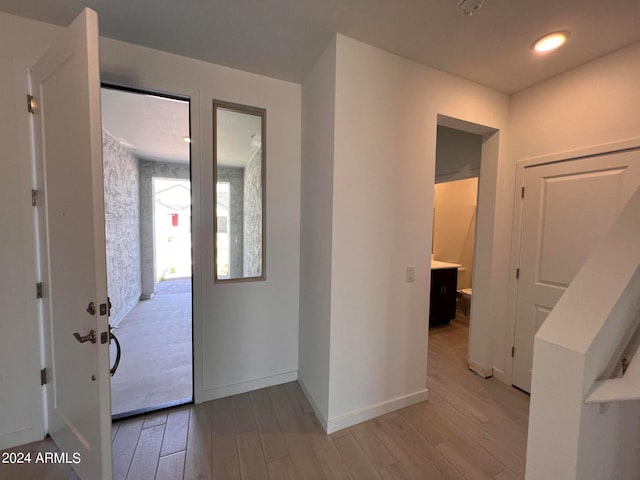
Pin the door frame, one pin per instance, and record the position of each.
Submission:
(516, 233)
(124, 74)
(194, 202)
(477, 341)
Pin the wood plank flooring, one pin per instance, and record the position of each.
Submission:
(470, 428)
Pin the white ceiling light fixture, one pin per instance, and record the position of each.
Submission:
(469, 7)
(550, 41)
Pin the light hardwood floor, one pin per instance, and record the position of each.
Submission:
(470, 428)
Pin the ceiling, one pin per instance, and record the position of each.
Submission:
(154, 127)
(283, 38)
(238, 137)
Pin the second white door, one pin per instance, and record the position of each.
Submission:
(567, 207)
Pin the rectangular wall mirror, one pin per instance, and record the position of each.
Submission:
(239, 134)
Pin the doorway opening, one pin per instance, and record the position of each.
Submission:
(147, 184)
(458, 156)
(460, 147)
(454, 226)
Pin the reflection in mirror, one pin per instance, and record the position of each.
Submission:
(239, 178)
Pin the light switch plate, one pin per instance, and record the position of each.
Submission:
(411, 275)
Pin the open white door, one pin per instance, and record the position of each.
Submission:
(567, 207)
(67, 131)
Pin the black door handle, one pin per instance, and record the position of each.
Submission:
(87, 338)
(118, 353)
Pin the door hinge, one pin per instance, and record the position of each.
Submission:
(39, 293)
(34, 197)
(43, 376)
(31, 104)
(513, 351)
(517, 273)
(522, 193)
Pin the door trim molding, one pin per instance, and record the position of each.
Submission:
(521, 165)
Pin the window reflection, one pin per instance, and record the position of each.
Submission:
(240, 163)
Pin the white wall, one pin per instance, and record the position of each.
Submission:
(457, 154)
(454, 225)
(318, 124)
(21, 417)
(386, 113)
(592, 105)
(246, 334)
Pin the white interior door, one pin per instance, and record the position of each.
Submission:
(68, 148)
(567, 207)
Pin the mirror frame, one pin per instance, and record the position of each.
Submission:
(262, 113)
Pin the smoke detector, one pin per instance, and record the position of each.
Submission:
(469, 7)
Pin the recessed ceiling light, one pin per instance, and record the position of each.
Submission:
(187, 139)
(550, 41)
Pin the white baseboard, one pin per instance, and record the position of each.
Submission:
(500, 375)
(314, 405)
(483, 372)
(367, 413)
(14, 439)
(248, 386)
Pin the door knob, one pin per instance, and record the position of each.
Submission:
(87, 338)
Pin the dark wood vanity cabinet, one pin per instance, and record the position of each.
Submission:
(442, 307)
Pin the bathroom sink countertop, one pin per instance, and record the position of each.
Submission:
(436, 265)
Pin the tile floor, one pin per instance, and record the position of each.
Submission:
(156, 363)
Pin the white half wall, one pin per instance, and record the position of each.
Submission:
(574, 347)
